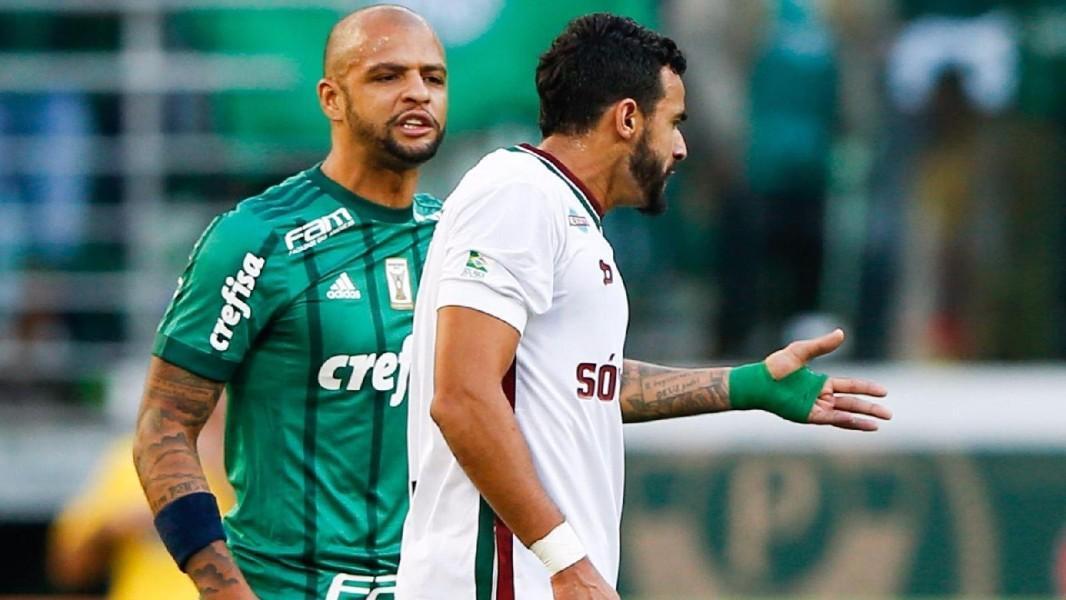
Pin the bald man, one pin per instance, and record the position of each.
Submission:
(299, 302)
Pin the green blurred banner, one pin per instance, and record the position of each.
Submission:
(987, 524)
(492, 49)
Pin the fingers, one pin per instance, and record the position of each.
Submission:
(806, 350)
(824, 413)
(795, 355)
(847, 412)
(846, 385)
(846, 420)
(863, 407)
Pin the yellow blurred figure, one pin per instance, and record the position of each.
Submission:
(107, 530)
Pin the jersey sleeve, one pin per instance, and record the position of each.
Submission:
(227, 294)
(500, 254)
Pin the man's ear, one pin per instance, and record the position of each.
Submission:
(331, 99)
(627, 118)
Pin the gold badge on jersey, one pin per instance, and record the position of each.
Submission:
(398, 277)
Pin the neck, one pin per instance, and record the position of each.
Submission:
(592, 163)
(358, 173)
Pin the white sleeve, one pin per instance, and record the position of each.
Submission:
(499, 257)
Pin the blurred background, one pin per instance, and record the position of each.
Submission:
(894, 167)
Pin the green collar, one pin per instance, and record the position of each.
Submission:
(365, 208)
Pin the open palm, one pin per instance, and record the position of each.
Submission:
(836, 405)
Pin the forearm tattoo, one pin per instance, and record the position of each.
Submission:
(175, 407)
(650, 392)
(213, 570)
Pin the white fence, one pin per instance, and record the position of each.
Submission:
(936, 407)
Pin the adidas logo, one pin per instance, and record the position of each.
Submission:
(343, 289)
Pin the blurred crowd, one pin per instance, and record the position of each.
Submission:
(893, 167)
(889, 167)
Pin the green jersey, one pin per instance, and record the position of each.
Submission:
(301, 300)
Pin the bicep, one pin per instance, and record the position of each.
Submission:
(474, 350)
(175, 396)
(504, 241)
(227, 294)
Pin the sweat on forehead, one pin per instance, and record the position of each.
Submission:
(350, 35)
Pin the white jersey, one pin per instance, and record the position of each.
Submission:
(520, 239)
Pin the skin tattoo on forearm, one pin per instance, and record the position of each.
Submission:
(213, 571)
(175, 408)
(651, 392)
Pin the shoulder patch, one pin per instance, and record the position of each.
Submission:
(581, 222)
(477, 266)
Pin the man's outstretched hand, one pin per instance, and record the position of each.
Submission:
(836, 405)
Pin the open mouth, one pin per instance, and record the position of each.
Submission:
(415, 124)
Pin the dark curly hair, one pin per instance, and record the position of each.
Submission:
(596, 61)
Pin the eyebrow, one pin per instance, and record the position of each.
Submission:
(389, 66)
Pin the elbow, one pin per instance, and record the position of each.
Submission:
(151, 431)
(138, 454)
(447, 408)
(143, 433)
(440, 410)
(139, 445)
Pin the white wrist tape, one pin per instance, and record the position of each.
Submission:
(559, 549)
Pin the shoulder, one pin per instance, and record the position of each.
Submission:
(509, 165)
(509, 178)
(234, 233)
(254, 226)
(261, 215)
(277, 205)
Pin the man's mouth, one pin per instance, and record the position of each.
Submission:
(415, 124)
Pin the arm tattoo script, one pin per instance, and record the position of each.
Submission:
(650, 392)
(175, 407)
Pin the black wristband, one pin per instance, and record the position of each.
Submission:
(188, 525)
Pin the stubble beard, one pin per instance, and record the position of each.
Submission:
(650, 173)
(392, 154)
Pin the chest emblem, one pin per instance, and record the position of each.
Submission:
(398, 276)
(344, 289)
(311, 234)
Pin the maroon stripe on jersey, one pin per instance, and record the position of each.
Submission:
(504, 562)
(596, 205)
(508, 384)
(504, 537)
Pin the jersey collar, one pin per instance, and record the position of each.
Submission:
(584, 195)
(362, 206)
